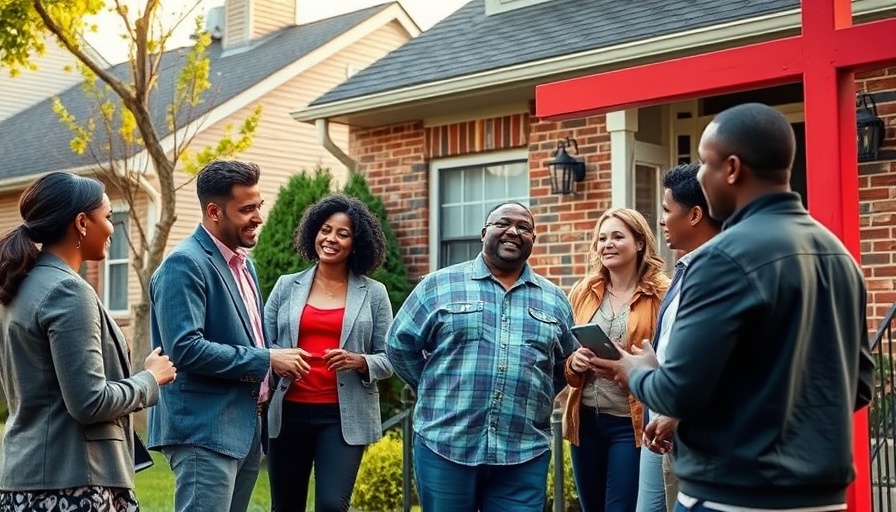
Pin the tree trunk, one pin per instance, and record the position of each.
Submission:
(140, 342)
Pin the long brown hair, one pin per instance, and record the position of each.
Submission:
(651, 267)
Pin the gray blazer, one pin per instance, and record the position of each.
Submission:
(64, 365)
(368, 314)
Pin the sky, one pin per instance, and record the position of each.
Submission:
(108, 41)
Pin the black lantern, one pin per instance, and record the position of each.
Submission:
(869, 128)
(565, 168)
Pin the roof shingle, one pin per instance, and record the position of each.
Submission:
(469, 42)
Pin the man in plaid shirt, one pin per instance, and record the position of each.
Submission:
(483, 343)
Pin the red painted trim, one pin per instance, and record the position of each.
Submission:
(771, 63)
(866, 46)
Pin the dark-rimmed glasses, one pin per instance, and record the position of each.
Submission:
(522, 229)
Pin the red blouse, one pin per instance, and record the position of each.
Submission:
(319, 330)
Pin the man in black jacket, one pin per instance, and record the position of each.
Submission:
(768, 357)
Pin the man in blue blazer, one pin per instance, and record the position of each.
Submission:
(207, 317)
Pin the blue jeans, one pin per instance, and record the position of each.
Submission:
(311, 435)
(652, 493)
(605, 464)
(445, 486)
(208, 481)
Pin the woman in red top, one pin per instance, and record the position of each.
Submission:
(339, 318)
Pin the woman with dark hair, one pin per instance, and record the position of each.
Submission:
(622, 294)
(64, 363)
(338, 317)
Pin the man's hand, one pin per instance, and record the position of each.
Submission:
(657, 436)
(340, 359)
(290, 362)
(621, 369)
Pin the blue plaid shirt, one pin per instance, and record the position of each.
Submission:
(485, 363)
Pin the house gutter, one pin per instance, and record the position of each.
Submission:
(591, 59)
(323, 136)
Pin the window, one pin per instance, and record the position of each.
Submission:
(466, 189)
(649, 201)
(115, 266)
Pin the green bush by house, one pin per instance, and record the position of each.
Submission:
(378, 487)
(570, 495)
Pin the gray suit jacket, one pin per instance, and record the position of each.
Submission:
(65, 371)
(199, 319)
(368, 314)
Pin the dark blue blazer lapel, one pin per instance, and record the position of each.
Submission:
(670, 294)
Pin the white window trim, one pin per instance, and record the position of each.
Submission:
(435, 167)
(118, 207)
(499, 6)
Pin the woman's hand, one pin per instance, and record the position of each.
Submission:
(579, 360)
(160, 366)
(340, 359)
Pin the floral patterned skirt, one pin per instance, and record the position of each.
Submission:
(76, 499)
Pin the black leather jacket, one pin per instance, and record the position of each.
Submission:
(767, 360)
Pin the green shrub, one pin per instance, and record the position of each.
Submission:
(570, 495)
(275, 253)
(378, 486)
(393, 273)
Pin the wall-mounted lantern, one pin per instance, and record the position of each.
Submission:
(564, 168)
(870, 129)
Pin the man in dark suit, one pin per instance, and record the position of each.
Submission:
(207, 316)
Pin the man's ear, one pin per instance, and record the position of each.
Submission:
(213, 211)
(694, 215)
(735, 171)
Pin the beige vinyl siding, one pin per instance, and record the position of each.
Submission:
(236, 23)
(271, 15)
(9, 212)
(31, 87)
(282, 146)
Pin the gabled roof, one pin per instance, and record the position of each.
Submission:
(469, 42)
(34, 141)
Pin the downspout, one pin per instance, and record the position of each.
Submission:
(323, 137)
(152, 209)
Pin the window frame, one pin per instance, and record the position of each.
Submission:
(437, 166)
(118, 207)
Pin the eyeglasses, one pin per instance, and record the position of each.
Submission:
(523, 230)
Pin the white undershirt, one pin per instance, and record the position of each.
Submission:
(689, 502)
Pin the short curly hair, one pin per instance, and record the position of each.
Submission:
(368, 241)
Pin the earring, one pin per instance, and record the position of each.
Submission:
(81, 237)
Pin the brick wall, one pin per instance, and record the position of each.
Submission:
(395, 160)
(392, 159)
(877, 200)
(565, 223)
